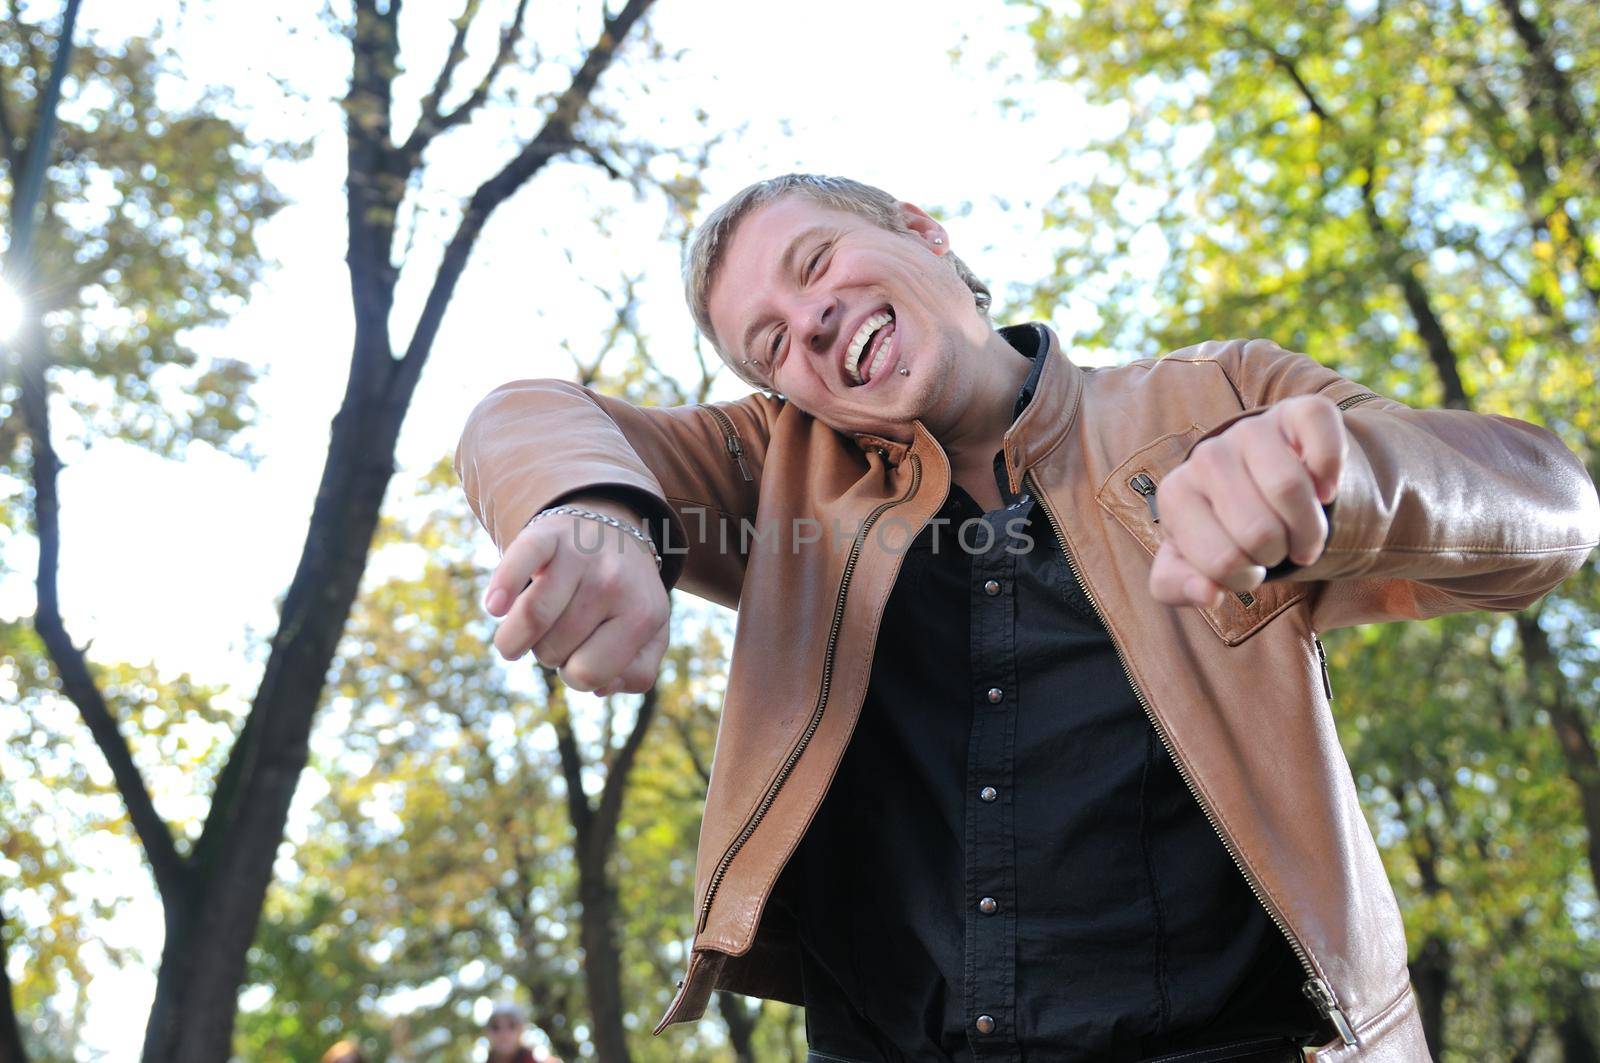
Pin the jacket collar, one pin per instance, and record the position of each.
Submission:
(1045, 419)
(1050, 412)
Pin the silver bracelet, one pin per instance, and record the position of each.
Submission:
(589, 514)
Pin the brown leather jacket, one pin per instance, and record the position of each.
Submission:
(1437, 511)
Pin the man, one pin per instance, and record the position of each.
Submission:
(1064, 784)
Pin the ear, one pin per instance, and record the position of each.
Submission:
(924, 227)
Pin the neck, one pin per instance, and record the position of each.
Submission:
(979, 407)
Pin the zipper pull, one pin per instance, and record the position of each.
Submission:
(730, 436)
(1322, 659)
(737, 450)
(1318, 992)
(1146, 487)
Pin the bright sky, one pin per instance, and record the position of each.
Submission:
(180, 563)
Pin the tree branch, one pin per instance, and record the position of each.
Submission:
(77, 682)
(578, 809)
(1390, 246)
(432, 122)
(1572, 730)
(452, 59)
(9, 139)
(1404, 274)
(1548, 216)
(624, 322)
(1289, 67)
(1550, 83)
(609, 811)
(690, 750)
(555, 137)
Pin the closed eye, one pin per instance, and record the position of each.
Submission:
(811, 263)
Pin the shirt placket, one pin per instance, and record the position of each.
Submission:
(990, 871)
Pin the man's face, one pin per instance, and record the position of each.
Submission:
(834, 306)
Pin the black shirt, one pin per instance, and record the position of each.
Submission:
(1007, 837)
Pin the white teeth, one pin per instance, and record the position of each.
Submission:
(858, 343)
(883, 356)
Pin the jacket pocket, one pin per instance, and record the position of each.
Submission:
(1129, 495)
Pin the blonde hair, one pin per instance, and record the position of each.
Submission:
(711, 240)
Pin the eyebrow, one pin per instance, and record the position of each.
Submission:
(785, 266)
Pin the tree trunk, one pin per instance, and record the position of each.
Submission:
(192, 1018)
(741, 1023)
(1577, 1043)
(1575, 1030)
(595, 832)
(11, 1050)
(602, 962)
(212, 896)
(1430, 977)
(1549, 688)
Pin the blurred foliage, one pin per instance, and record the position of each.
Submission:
(62, 863)
(148, 232)
(1403, 190)
(45, 921)
(150, 206)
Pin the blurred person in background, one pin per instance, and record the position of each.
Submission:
(504, 1031)
(346, 1051)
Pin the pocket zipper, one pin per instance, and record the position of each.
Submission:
(1147, 488)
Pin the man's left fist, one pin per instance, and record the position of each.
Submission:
(1246, 499)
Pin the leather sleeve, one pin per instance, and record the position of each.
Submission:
(531, 443)
(1437, 511)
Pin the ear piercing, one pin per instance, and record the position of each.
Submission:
(938, 239)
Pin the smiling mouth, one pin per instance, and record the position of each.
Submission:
(869, 348)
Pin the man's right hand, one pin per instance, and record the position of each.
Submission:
(597, 614)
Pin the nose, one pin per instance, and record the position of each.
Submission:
(820, 323)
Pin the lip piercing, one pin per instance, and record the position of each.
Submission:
(904, 371)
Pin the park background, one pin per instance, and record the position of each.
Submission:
(263, 781)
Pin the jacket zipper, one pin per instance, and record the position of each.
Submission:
(1315, 988)
(822, 697)
(1353, 400)
(731, 436)
(1322, 659)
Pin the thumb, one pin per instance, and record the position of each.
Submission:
(523, 559)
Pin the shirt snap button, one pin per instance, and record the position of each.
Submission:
(991, 587)
(988, 905)
(988, 793)
(995, 694)
(985, 1024)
